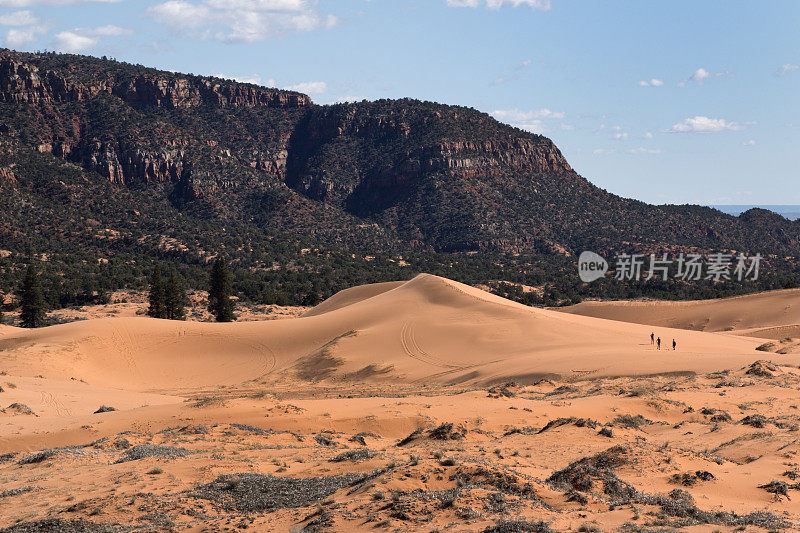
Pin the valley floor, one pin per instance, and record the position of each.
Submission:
(707, 452)
(271, 427)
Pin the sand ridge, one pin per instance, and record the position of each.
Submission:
(427, 330)
(752, 311)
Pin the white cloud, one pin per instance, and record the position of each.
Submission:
(619, 132)
(81, 39)
(702, 124)
(534, 126)
(532, 121)
(648, 135)
(70, 41)
(544, 5)
(332, 20)
(241, 20)
(19, 18)
(513, 116)
(19, 37)
(27, 3)
(181, 14)
(110, 31)
(751, 142)
(786, 68)
(308, 87)
(635, 151)
(514, 74)
(255, 79)
(25, 28)
(349, 98)
(652, 82)
(701, 75)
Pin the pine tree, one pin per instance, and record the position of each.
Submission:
(156, 309)
(219, 292)
(32, 314)
(174, 298)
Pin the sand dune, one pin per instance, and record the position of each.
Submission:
(5, 330)
(425, 331)
(351, 296)
(355, 376)
(772, 332)
(751, 312)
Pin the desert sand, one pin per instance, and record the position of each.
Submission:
(752, 312)
(407, 406)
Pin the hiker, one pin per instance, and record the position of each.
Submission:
(652, 338)
(659, 343)
(674, 344)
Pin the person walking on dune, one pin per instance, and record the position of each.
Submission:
(674, 344)
(658, 342)
(652, 338)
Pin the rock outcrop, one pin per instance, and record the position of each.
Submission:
(7, 175)
(402, 174)
(45, 85)
(409, 142)
(22, 81)
(126, 166)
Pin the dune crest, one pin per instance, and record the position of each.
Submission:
(352, 296)
(5, 330)
(740, 313)
(428, 330)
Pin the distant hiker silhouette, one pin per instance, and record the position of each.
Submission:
(674, 344)
(659, 343)
(652, 338)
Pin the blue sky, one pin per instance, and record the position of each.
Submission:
(667, 102)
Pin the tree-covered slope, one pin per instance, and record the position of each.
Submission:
(106, 165)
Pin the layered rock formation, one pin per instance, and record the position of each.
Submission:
(114, 146)
(410, 174)
(22, 81)
(7, 175)
(385, 147)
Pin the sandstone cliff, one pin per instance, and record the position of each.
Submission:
(22, 81)
(400, 174)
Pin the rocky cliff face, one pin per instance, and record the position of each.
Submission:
(361, 157)
(115, 144)
(436, 174)
(377, 150)
(137, 165)
(184, 93)
(7, 175)
(520, 154)
(22, 81)
(427, 175)
(426, 137)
